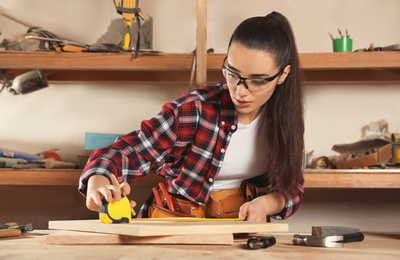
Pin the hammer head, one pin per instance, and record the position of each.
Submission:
(324, 231)
(330, 241)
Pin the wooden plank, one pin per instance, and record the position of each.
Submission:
(93, 61)
(387, 179)
(58, 177)
(166, 228)
(378, 179)
(201, 47)
(350, 60)
(176, 62)
(86, 238)
(318, 68)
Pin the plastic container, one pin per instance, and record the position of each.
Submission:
(343, 45)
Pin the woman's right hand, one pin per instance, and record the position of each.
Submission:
(100, 187)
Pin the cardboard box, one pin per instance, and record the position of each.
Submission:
(364, 153)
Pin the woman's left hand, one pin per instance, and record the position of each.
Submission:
(259, 208)
(254, 210)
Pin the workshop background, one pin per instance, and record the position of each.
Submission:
(60, 115)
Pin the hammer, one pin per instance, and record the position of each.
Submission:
(329, 236)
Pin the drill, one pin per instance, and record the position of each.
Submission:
(130, 11)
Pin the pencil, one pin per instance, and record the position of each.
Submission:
(119, 186)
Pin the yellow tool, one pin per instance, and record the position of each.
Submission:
(190, 219)
(116, 211)
(130, 11)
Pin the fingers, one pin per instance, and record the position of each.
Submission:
(252, 212)
(126, 188)
(243, 211)
(133, 204)
(109, 192)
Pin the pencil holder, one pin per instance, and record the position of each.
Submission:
(343, 45)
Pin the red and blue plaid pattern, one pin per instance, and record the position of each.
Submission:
(189, 136)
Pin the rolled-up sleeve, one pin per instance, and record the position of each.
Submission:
(292, 203)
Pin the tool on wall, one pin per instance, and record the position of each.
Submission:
(24, 83)
(130, 11)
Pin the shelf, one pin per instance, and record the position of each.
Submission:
(376, 179)
(59, 177)
(318, 68)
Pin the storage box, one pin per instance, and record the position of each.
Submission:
(95, 141)
(364, 153)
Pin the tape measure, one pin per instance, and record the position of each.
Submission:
(115, 211)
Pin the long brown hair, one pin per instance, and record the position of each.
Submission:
(285, 130)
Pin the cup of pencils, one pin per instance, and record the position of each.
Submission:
(342, 44)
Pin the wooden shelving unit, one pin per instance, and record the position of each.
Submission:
(318, 68)
(370, 179)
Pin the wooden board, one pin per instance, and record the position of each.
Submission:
(88, 238)
(167, 228)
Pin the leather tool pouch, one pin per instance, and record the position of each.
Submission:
(183, 208)
(222, 204)
(225, 204)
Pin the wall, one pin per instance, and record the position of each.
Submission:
(59, 115)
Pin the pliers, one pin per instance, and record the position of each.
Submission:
(167, 197)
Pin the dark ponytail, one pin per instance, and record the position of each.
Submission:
(273, 34)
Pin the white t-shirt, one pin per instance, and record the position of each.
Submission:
(245, 156)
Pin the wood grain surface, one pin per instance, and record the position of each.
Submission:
(88, 238)
(33, 245)
(166, 228)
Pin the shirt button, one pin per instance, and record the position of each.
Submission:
(222, 150)
(210, 180)
(233, 127)
(223, 123)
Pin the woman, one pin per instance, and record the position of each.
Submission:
(230, 150)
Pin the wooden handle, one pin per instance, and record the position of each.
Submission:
(10, 233)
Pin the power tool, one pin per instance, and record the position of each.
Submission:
(130, 11)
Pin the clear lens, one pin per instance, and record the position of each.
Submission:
(253, 84)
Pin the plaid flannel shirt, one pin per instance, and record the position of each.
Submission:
(189, 136)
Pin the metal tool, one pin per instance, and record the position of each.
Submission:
(63, 45)
(14, 225)
(340, 33)
(167, 197)
(324, 231)
(14, 229)
(257, 242)
(26, 83)
(130, 11)
(328, 241)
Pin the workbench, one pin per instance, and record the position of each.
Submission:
(33, 246)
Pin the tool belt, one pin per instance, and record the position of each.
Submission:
(222, 204)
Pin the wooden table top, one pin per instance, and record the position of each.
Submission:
(33, 246)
